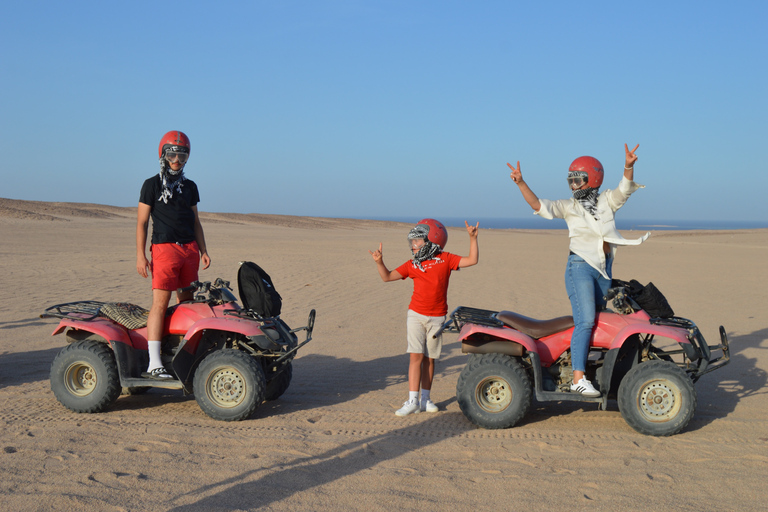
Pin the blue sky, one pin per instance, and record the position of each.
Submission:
(388, 109)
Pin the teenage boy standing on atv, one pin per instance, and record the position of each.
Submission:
(430, 270)
(178, 243)
(593, 242)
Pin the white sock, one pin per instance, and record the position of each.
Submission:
(155, 361)
(424, 395)
(413, 396)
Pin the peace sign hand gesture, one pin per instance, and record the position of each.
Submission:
(629, 156)
(516, 175)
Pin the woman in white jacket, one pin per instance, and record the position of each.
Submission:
(594, 239)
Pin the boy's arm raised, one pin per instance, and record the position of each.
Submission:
(386, 274)
(474, 251)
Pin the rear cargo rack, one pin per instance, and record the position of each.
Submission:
(82, 310)
(463, 315)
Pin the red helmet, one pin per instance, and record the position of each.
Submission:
(175, 139)
(592, 167)
(436, 232)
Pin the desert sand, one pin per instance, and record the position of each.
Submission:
(332, 441)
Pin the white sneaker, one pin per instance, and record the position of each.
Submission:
(428, 406)
(585, 388)
(410, 406)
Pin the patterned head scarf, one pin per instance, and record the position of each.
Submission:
(428, 250)
(172, 180)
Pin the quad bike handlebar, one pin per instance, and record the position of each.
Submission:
(218, 291)
(205, 286)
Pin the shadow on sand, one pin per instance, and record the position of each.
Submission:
(26, 367)
(281, 481)
(720, 391)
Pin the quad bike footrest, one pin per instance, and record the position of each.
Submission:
(141, 382)
(564, 396)
(558, 396)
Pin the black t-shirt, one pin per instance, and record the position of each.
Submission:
(175, 221)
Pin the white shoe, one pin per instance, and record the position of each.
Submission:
(585, 388)
(428, 406)
(410, 406)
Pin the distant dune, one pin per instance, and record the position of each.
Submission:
(56, 211)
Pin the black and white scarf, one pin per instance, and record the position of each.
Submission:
(427, 251)
(172, 181)
(588, 199)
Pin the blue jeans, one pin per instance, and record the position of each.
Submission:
(586, 288)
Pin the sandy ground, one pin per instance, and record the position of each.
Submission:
(332, 442)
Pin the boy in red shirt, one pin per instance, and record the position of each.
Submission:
(430, 270)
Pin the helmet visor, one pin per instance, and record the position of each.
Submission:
(176, 156)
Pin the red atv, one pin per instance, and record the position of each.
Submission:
(231, 358)
(514, 358)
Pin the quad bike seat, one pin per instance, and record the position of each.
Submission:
(128, 315)
(535, 328)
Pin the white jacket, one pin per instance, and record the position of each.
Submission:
(587, 234)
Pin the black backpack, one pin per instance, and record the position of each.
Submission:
(647, 297)
(257, 292)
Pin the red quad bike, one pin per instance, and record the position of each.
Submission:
(514, 358)
(231, 358)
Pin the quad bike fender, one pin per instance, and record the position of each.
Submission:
(123, 343)
(677, 334)
(482, 339)
(674, 333)
(229, 324)
(107, 329)
(192, 351)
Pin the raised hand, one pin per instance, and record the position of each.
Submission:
(516, 175)
(629, 156)
(472, 230)
(377, 254)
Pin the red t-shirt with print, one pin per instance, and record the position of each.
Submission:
(430, 286)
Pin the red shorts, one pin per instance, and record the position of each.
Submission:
(174, 266)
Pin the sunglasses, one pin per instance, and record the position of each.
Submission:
(577, 181)
(176, 156)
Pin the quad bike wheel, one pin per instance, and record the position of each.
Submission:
(277, 386)
(494, 391)
(84, 377)
(229, 385)
(657, 398)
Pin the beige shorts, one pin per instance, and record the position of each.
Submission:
(420, 329)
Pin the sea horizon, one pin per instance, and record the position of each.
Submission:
(623, 224)
(532, 222)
